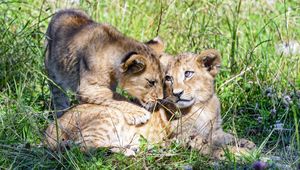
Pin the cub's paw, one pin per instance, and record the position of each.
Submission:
(197, 142)
(125, 151)
(222, 139)
(137, 117)
(244, 143)
(218, 154)
(227, 138)
(129, 152)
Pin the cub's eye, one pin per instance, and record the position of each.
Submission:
(151, 83)
(168, 78)
(188, 74)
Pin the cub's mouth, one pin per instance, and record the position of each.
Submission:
(180, 102)
(184, 103)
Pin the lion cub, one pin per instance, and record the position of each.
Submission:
(91, 58)
(190, 84)
(93, 126)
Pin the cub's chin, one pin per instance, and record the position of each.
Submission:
(185, 103)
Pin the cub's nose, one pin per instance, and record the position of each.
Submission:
(177, 92)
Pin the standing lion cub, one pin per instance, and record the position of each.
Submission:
(91, 58)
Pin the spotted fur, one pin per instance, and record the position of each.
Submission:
(93, 126)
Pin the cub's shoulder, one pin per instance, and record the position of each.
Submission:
(66, 22)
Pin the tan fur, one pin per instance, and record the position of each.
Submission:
(92, 126)
(200, 123)
(90, 58)
(199, 126)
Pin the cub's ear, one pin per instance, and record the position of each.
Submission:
(133, 63)
(211, 59)
(157, 44)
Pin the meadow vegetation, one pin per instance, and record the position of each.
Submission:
(259, 82)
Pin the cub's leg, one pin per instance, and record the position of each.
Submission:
(129, 150)
(244, 143)
(220, 152)
(217, 152)
(221, 138)
(125, 151)
(201, 144)
(59, 99)
(206, 147)
(133, 114)
(98, 90)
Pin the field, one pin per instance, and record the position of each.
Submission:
(259, 83)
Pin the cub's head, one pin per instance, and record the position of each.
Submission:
(142, 76)
(190, 77)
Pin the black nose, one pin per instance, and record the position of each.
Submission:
(178, 94)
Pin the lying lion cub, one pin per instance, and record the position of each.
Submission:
(190, 80)
(93, 126)
(90, 58)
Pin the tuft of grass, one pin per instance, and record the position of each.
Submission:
(258, 86)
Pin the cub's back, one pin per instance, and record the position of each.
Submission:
(93, 126)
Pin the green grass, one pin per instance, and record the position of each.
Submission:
(257, 86)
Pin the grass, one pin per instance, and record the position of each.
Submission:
(258, 85)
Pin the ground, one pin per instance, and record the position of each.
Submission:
(258, 85)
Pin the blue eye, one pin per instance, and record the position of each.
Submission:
(188, 74)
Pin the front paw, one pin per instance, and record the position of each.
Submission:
(137, 117)
(126, 151)
(244, 143)
(223, 139)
